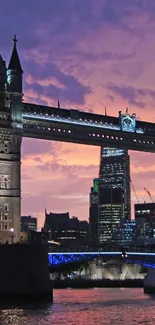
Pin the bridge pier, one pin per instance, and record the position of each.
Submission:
(149, 281)
(24, 273)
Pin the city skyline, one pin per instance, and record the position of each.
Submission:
(88, 56)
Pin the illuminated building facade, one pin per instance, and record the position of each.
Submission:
(126, 233)
(94, 212)
(145, 219)
(114, 191)
(28, 223)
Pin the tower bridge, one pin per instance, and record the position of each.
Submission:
(19, 119)
(69, 125)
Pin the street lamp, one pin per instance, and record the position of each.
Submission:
(12, 234)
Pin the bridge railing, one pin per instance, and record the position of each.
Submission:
(106, 249)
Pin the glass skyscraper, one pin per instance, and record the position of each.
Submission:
(114, 191)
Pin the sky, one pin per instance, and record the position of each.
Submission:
(87, 54)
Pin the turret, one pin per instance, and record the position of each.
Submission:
(3, 80)
(14, 72)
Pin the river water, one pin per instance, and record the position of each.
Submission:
(86, 307)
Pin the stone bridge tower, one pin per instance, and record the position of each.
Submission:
(10, 145)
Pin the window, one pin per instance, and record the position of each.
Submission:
(6, 207)
(2, 182)
(6, 217)
(5, 181)
(6, 227)
(8, 182)
(6, 149)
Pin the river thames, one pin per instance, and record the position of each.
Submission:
(87, 306)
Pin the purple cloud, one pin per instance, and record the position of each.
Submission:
(75, 170)
(72, 90)
(132, 94)
(35, 147)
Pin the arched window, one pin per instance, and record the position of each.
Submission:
(6, 207)
(5, 182)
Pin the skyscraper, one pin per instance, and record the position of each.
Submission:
(94, 212)
(114, 191)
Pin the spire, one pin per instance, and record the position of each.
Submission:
(1, 59)
(2, 65)
(105, 111)
(3, 81)
(14, 61)
(58, 104)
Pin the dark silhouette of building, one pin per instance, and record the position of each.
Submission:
(28, 223)
(67, 231)
(114, 191)
(94, 212)
(145, 219)
(53, 222)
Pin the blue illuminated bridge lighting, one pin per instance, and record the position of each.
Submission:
(60, 258)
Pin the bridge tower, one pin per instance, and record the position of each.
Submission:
(10, 145)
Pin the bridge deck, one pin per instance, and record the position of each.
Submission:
(142, 258)
(85, 128)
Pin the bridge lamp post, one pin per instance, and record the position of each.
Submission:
(12, 234)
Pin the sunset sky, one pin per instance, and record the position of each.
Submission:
(87, 54)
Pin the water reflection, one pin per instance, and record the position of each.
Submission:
(78, 307)
(19, 314)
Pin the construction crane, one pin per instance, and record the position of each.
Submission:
(134, 191)
(149, 194)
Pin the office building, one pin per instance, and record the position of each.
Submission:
(28, 223)
(94, 212)
(125, 234)
(69, 232)
(114, 191)
(145, 219)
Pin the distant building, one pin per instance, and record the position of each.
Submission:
(125, 234)
(114, 191)
(145, 219)
(94, 212)
(55, 221)
(65, 230)
(28, 223)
